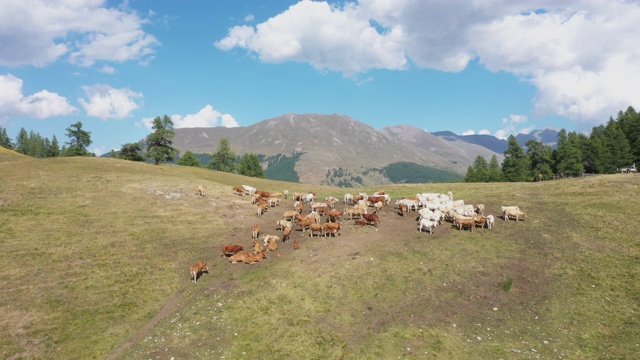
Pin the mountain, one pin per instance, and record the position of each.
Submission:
(334, 146)
(547, 136)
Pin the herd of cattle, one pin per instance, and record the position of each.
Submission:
(433, 209)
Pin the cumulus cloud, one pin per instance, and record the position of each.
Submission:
(327, 37)
(38, 32)
(484, 132)
(511, 126)
(206, 117)
(543, 42)
(41, 105)
(106, 102)
(468, 132)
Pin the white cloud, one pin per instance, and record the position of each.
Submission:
(511, 126)
(484, 132)
(206, 117)
(43, 104)
(108, 69)
(327, 37)
(469, 132)
(106, 102)
(38, 32)
(249, 18)
(581, 55)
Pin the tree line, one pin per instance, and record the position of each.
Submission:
(159, 149)
(605, 150)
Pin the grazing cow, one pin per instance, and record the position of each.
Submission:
(304, 224)
(231, 249)
(334, 215)
(239, 190)
(254, 259)
(283, 224)
(255, 231)
(200, 191)
(372, 218)
(481, 220)
(286, 232)
(461, 223)
(427, 224)
(197, 269)
(403, 209)
(296, 244)
(331, 228)
(315, 228)
(290, 214)
(375, 199)
(515, 214)
(239, 257)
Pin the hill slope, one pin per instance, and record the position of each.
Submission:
(96, 252)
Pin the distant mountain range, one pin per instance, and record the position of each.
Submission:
(333, 148)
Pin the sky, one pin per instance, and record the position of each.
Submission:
(497, 67)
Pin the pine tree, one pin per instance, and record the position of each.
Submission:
(618, 147)
(131, 152)
(515, 166)
(188, 159)
(471, 176)
(494, 173)
(539, 156)
(568, 154)
(78, 140)
(159, 143)
(5, 140)
(629, 123)
(54, 149)
(223, 159)
(481, 169)
(250, 166)
(22, 142)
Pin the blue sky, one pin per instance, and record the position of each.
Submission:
(498, 67)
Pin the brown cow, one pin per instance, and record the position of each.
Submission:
(200, 191)
(403, 209)
(304, 224)
(331, 228)
(315, 228)
(334, 215)
(197, 269)
(231, 249)
(239, 257)
(273, 245)
(372, 218)
(254, 259)
(360, 222)
(239, 190)
(296, 244)
(255, 231)
(286, 232)
(257, 247)
(462, 223)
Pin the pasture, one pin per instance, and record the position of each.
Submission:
(95, 258)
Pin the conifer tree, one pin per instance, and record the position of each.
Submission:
(494, 173)
(250, 166)
(617, 146)
(5, 140)
(223, 159)
(471, 176)
(540, 163)
(568, 154)
(131, 152)
(515, 166)
(78, 140)
(159, 143)
(188, 159)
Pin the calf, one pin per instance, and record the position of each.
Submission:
(200, 191)
(255, 231)
(296, 244)
(372, 218)
(360, 222)
(403, 209)
(197, 269)
(273, 245)
(231, 249)
(239, 190)
(481, 220)
(490, 221)
(257, 247)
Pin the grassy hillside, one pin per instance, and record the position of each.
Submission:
(95, 255)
